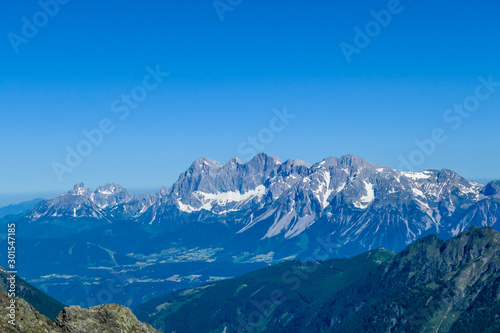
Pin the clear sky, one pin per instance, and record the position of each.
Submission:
(67, 72)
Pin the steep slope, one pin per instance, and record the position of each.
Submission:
(431, 286)
(109, 318)
(43, 303)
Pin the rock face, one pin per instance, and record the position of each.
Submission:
(102, 318)
(109, 318)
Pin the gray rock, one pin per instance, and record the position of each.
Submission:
(110, 318)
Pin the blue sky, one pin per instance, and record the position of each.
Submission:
(227, 76)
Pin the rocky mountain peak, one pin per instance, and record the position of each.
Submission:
(162, 191)
(110, 189)
(235, 161)
(297, 163)
(328, 162)
(204, 164)
(79, 189)
(110, 195)
(262, 161)
(353, 161)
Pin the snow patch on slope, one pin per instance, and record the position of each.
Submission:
(365, 200)
(415, 175)
(224, 197)
(209, 200)
(323, 192)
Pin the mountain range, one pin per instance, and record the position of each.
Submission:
(220, 221)
(360, 204)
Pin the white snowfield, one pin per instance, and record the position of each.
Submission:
(209, 200)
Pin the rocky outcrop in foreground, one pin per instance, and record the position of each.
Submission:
(110, 318)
